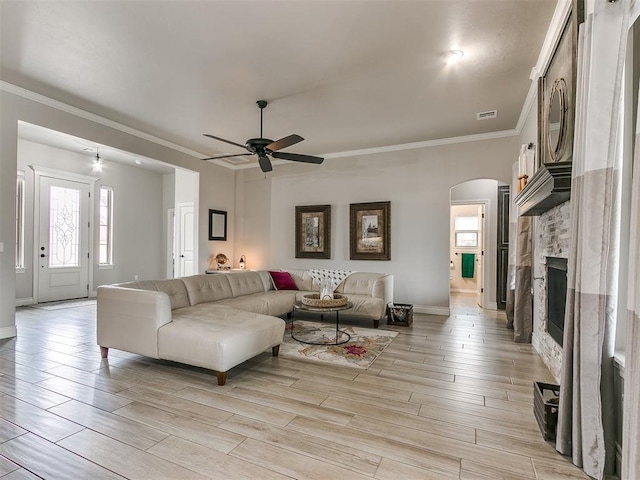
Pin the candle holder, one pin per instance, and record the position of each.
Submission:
(522, 182)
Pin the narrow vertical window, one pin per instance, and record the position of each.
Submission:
(105, 247)
(20, 220)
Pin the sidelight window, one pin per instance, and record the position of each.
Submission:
(105, 245)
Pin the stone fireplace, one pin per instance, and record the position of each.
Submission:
(550, 250)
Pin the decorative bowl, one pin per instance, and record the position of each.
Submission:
(314, 300)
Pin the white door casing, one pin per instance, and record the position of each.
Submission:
(185, 240)
(480, 255)
(171, 235)
(63, 246)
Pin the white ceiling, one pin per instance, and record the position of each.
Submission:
(344, 74)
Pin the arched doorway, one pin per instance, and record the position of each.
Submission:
(474, 245)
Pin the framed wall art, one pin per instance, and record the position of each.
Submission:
(313, 231)
(370, 231)
(217, 225)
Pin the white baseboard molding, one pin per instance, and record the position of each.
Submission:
(430, 310)
(492, 306)
(21, 302)
(8, 332)
(462, 290)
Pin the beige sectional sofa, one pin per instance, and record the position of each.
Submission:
(217, 321)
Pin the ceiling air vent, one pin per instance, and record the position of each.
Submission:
(487, 114)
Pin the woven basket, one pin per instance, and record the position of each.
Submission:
(314, 300)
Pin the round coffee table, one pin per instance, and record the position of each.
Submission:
(299, 306)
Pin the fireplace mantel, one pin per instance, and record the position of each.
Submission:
(549, 186)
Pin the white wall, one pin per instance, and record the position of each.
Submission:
(216, 183)
(417, 182)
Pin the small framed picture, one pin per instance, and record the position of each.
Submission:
(370, 231)
(313, 231)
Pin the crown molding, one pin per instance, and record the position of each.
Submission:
(558, 20)
(78, 112)
(425, 144)
(22, 92)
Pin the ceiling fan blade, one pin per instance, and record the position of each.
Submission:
(223, 140)
(228, 156)
(296, 157)
(284, 142)
(265, 163)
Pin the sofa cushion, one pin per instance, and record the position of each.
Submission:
(279, 302)
(283, 280)
(217, 337)
(207, 288)
(359, 283)
(303, 280)
(249, 303)
(175, 288)
(245, 283)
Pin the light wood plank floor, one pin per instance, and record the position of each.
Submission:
(451, 398)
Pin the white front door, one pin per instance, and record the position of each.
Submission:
(185, 238)
(480, 257)
(63, 240)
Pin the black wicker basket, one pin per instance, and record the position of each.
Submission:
(545, 408)
(400, 314)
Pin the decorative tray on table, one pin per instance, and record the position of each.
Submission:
(314, 300)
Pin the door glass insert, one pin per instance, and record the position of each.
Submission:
(64, 227)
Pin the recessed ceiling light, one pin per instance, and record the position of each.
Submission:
(452, 56)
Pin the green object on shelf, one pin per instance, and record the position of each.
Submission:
(468, 264)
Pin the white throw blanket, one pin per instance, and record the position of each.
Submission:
(334, 276)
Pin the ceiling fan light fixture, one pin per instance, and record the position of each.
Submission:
(452, 56)
(265, 147)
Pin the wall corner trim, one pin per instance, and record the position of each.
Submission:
(8, 332)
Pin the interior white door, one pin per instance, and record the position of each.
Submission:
(63, 240)
(480, 257)
(185, 239)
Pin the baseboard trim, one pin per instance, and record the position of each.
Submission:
(21, 302)
(492, 306)
(8, 332)
(462, 290)
(431, 310)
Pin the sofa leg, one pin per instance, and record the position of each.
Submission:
(376, 323)
(222, 377)
(275, 350)
(104, 351)
(289, 316)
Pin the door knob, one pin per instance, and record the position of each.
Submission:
(42, 255)
(181, 256)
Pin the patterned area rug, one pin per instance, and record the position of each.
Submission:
(365, 346)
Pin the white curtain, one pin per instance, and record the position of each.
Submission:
(519, 307)
(586, 424)
(631, 419)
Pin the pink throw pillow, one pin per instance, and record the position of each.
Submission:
(283, 281)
